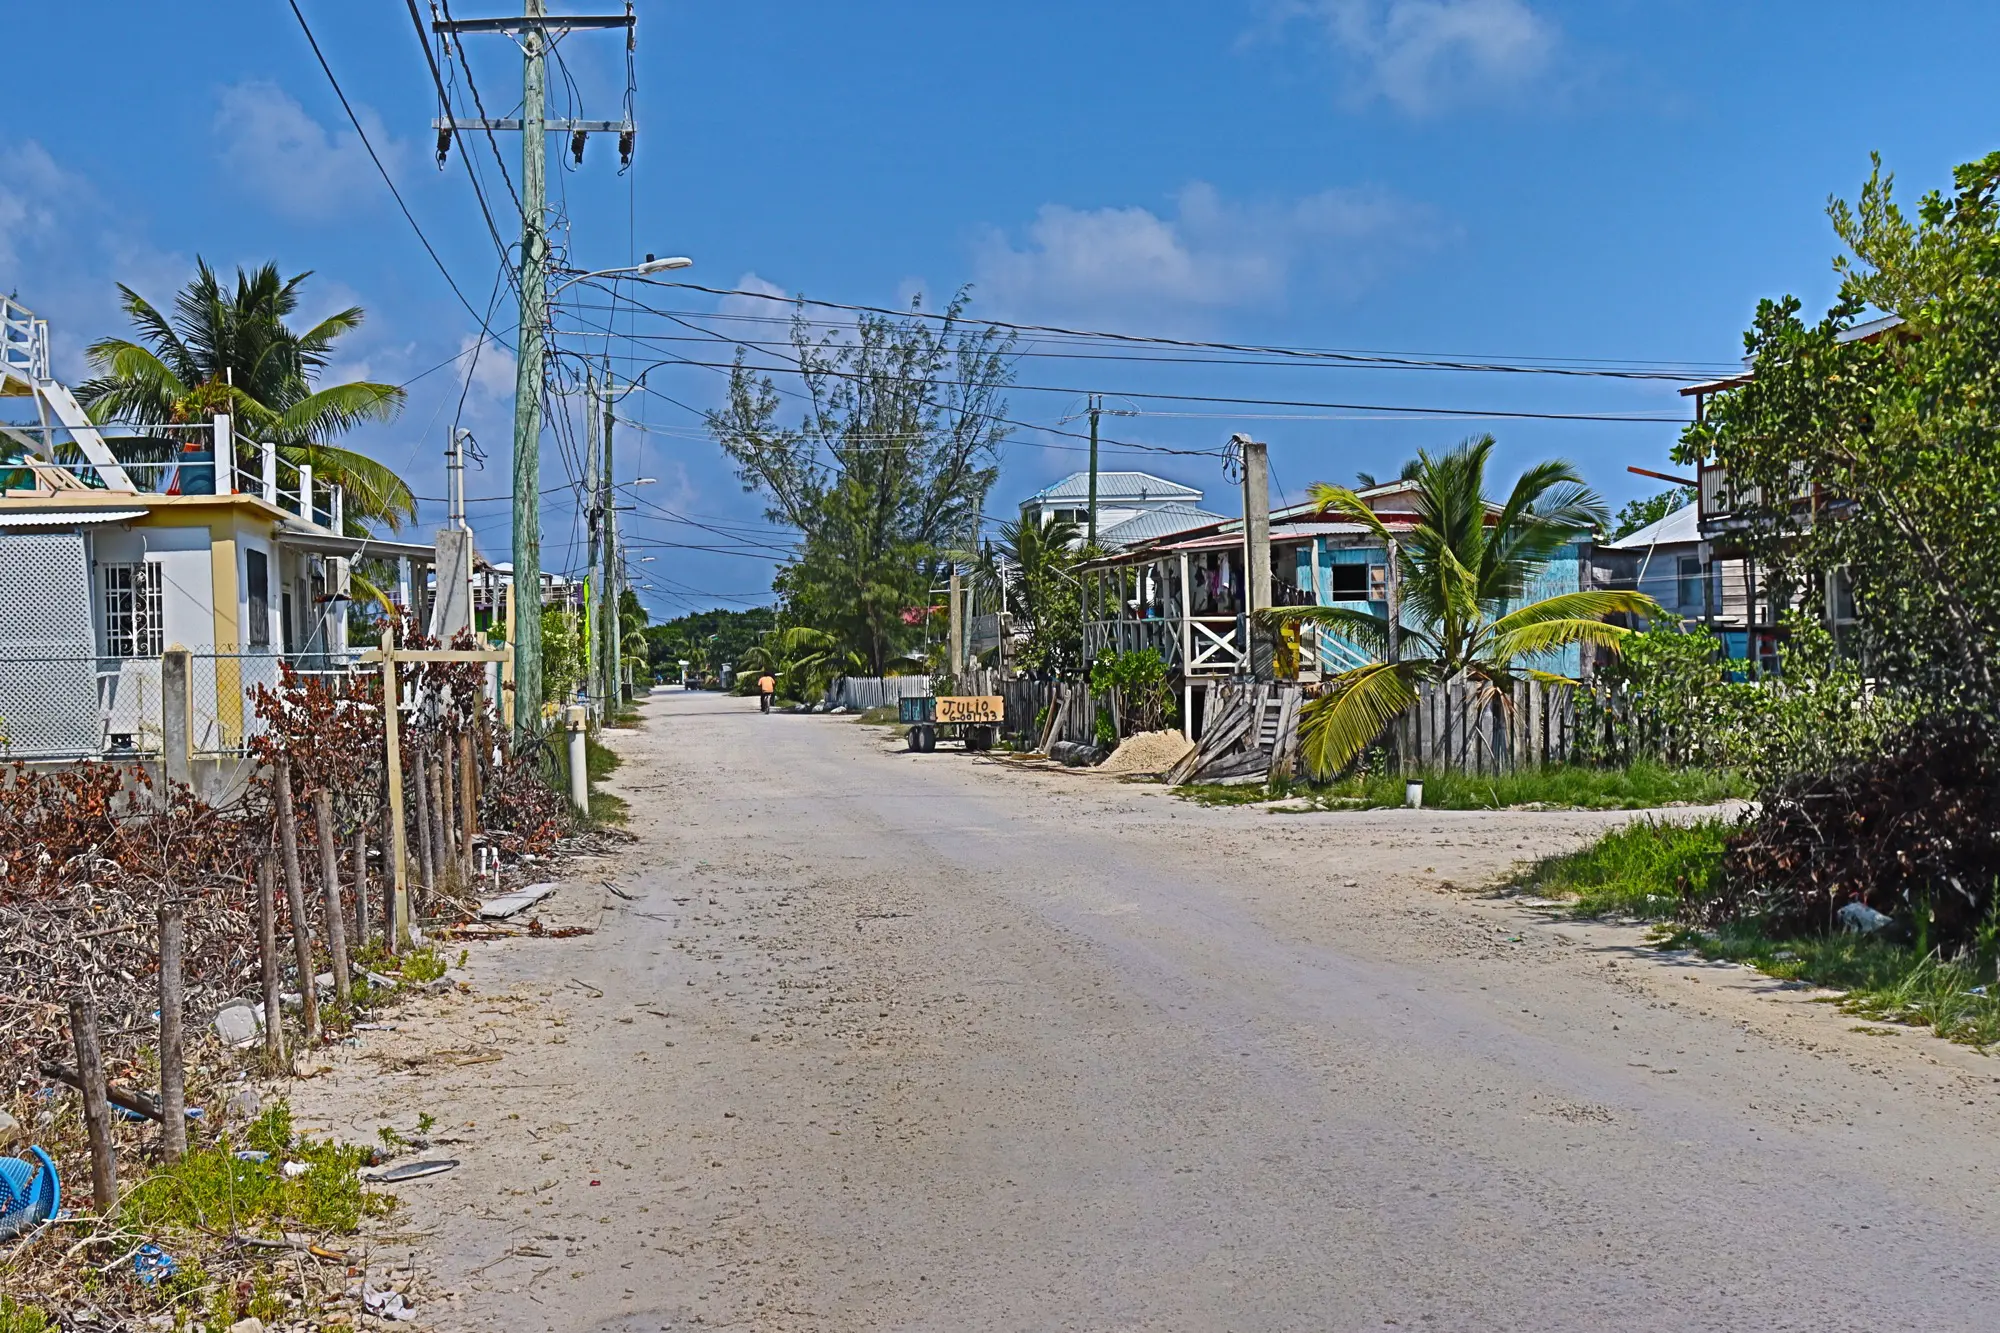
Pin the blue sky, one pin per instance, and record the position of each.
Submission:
(1524, 178)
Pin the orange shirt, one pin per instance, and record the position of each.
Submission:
(766, 685)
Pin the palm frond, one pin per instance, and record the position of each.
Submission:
(1547, 635)
(1366, 630)
(1336, 727)
(374, 493)
(1327, 498)
(1590, 605)
(339, 408)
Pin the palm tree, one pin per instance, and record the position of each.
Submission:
(1464, 564)
(1029, 570)
(225, 351)
(804, 660)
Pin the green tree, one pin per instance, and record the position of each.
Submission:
(1645, 513)
(1032, 567)
(1368, 481)
(563, 655)
(1877, 458)
(1466, 562)
(232, 350)
(802, 659)
(889, 465)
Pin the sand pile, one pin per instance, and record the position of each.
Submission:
(1147, 752)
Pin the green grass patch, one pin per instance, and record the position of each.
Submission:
(889, 715)
(1644, 869)
(18, 1318)
(1643, 786)
(608, 809)
(213, 1188)
(599, 759)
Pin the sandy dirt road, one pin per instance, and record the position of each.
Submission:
(886, 1041)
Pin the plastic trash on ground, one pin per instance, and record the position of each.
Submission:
(1863, 918)
(30, 1194)
(152, 1264)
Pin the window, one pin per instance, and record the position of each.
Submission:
(291, 645)
(132, 609)
(1690, 582)
(1348, 583)
(1378, 583)
(259, 568)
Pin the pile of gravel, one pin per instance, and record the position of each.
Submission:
(1147, 752)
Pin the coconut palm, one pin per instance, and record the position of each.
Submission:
(1028, 570)
(232, 351)
(1464, 566)
(802, 659)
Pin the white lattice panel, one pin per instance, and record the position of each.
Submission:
(48, 653)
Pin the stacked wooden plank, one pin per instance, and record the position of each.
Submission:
(1250, 735)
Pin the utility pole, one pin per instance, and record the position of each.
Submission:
(1256, 550)
(533, 31)
(1096, 410)
(528, 374)
(593, 485)
(610, 618)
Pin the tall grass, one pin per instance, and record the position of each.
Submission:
(1646, 869)
(1642, 786)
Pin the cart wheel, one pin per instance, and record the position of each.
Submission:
(914, 740)
(923, 738)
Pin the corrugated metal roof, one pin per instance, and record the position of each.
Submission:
(1155, 524)
(64, 518)
(1683, 525)
(1115, 486)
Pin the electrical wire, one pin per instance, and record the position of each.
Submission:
(1582, 366)
(354, 120)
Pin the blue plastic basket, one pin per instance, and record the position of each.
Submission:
(29, 1194)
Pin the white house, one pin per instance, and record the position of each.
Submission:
(1121, 498)
(224, 550)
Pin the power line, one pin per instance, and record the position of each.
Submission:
(1546, 365)
(373, 157)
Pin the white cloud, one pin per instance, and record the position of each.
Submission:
(63, 249)
(1212, 254)
(493, 373)
(299, 167)
(1426, 56)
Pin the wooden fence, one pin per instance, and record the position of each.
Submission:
(1462, 726)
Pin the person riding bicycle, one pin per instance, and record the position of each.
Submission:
(766, 687)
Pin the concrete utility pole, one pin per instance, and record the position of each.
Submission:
(610, 619)
(528, 374)
(533, 31)
(956, 653)
(1256, 549)
(1096, 410)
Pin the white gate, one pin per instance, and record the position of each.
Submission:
(48, 650)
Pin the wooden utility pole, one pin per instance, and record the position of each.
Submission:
(96, 1106)
(173, 1080)
(1096, 410)
(955, 658)
(534, 31)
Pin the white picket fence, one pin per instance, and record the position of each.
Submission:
(865, 692)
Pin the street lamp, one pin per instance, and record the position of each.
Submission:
(651, 266)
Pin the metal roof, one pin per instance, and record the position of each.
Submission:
(1113, 487)
(1156, 523)
(63, 518)
(1683, 525)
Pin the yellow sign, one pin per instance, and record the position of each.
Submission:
(971, 708)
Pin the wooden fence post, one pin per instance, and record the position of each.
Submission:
(295, 899)
(447, 823)
(396, 845)
(421, 791)
(267, 952)
(173, 1080)
(364, 924)
(96, 1106)
(336, 913)
(468, 804)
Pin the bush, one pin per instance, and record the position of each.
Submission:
(1138, 681)
(1668, 696)
(1913, 832)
